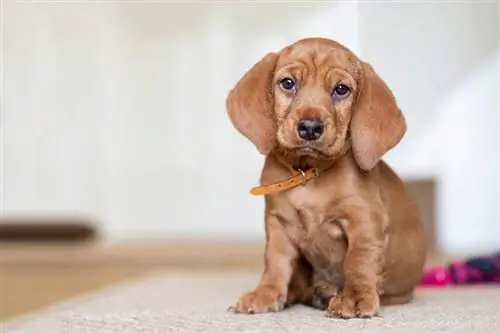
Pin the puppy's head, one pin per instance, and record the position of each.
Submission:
(314, 99)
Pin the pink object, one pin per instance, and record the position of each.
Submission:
(436, 277)
(470, 271)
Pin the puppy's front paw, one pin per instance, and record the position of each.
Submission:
(349, 304)
(262, 299)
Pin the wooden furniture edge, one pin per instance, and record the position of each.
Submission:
(165, 254)
(175, 254)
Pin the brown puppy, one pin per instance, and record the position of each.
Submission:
(337, 217)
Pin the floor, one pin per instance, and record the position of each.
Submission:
(36, 276)
(21, 292)
(182, 301)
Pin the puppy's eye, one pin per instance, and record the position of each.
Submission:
(287, 84)
(341, 90)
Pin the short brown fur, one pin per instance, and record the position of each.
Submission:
(351, 239)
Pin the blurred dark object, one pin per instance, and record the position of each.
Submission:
(46, 229)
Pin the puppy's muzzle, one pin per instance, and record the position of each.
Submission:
(310, 129)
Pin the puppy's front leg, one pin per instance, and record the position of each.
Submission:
(362, 267)
(280, 255)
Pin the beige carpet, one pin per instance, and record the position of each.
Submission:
(183, 302)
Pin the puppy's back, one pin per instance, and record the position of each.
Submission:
(407, 250)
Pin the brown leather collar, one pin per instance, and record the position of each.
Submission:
(298, 177)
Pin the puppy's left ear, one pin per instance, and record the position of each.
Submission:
(250, 104)
(377, 124)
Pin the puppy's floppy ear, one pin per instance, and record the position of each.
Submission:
(250, 104)
(377, 124)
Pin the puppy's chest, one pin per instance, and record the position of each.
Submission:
(308, 197)
(312, 224)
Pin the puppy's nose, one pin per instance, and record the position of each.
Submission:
(310, 129)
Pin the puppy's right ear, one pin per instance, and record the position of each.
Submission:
(378, 123)
(250, 104)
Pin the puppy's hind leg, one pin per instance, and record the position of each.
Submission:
(387, 300)
(300, 289)
(323, 293)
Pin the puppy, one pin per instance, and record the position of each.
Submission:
(341, 228)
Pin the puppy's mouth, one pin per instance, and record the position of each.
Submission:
(293, 140)
(303, 148)
(308, 151)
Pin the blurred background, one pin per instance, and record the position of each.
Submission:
(114, 126)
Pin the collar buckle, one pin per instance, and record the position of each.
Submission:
(302, 174)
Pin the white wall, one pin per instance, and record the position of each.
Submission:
(117, 109)
(442, 62)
